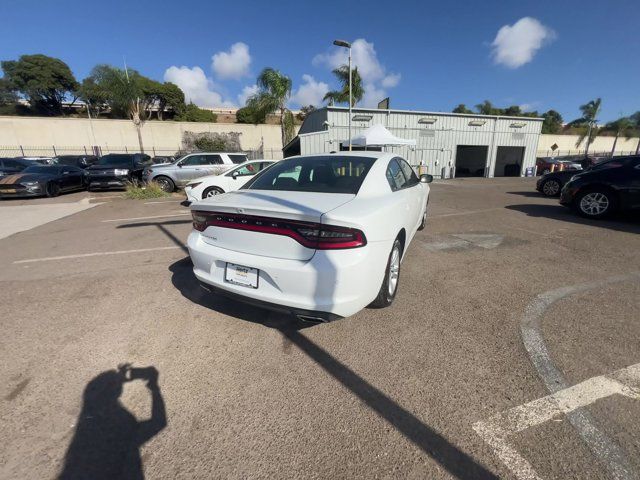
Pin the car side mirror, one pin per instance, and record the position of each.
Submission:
(234, 175)
(180, 165)
(426, 178)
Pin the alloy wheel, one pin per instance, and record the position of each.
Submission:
(594, 203)
(165, 185)
(394, 270)
(551, 188)
(212, 193)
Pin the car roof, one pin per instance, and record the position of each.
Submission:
(362, 153)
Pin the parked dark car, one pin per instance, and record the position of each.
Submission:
(116, 170)
(548, 164)
(41, 180)
(9, 166)
(605, 188)
(550, 184)
(80, 161)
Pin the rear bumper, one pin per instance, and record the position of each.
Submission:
(331, 284)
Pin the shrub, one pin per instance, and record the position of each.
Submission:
(149, 190)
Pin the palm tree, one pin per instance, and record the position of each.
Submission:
(589, 119)
(623, 126)
(275, 90)
(342, 95)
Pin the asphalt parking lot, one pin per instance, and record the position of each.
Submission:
(511, 351)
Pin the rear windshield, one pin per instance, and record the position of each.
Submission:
(42, 169)
(115, 159)
(329, 174)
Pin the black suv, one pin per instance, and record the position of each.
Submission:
(605, 188)
(81, 161)
(116, 170)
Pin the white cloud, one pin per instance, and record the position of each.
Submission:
(311, 92)
(233, 64)
(517, 44)
(372, 95)
(391, 80)
(196, 86)
(247, 92)
(526, 107)
(374, 75)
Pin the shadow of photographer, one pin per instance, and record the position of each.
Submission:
(107, 440)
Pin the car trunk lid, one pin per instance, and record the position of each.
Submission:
(279, 215)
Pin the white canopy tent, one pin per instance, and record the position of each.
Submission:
(377, 136)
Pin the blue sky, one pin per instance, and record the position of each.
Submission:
(424, 55)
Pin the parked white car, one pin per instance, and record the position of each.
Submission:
(233, 179)
(319, 236)
(191, 166)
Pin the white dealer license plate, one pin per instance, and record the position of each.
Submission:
(240, 275)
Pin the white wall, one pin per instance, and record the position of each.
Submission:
(67, 134)
(567, 145)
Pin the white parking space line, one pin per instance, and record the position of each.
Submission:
(469, 212)
(96, 254)
(135, 219)
(162, 201)
(496, 430)
(563, 399)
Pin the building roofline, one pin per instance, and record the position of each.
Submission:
(420, 112)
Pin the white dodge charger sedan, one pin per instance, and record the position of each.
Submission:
(233, 179)
(318, 236)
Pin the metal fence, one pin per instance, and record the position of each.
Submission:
(575, 153)
(54, 150)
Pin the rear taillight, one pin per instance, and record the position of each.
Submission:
(311, 235)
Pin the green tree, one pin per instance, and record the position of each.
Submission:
(7, 92)
(246, 115)
(94, 96)
(128, 93)
(275, 90)
(461, 108)
(587, 123)
(624, 126)
(304, 111)
(487, 108)
(44, 81)
(552, 122)
(172, 98)
(342, 95)
(512, 111)
(193, 113)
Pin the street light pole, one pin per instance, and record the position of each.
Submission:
(350, 97)
(345, 44)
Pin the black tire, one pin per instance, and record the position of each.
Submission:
(166, 184)
(212, 192)
(52, 189)
(551, 188)
(423, 223)
(596, 203)
(386, 295)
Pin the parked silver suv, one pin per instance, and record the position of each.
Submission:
(193, 165)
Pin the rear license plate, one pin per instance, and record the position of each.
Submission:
(9, 190)
(240, 275)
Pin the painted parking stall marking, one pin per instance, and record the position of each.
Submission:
(96, 254)
(564, 400)
(496, 430)
(135, 219)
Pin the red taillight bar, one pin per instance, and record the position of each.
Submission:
(311, 235)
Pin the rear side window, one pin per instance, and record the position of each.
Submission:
(410, 175)
(213, 159)
(238, 158)
(327, 174)
(395, 177)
